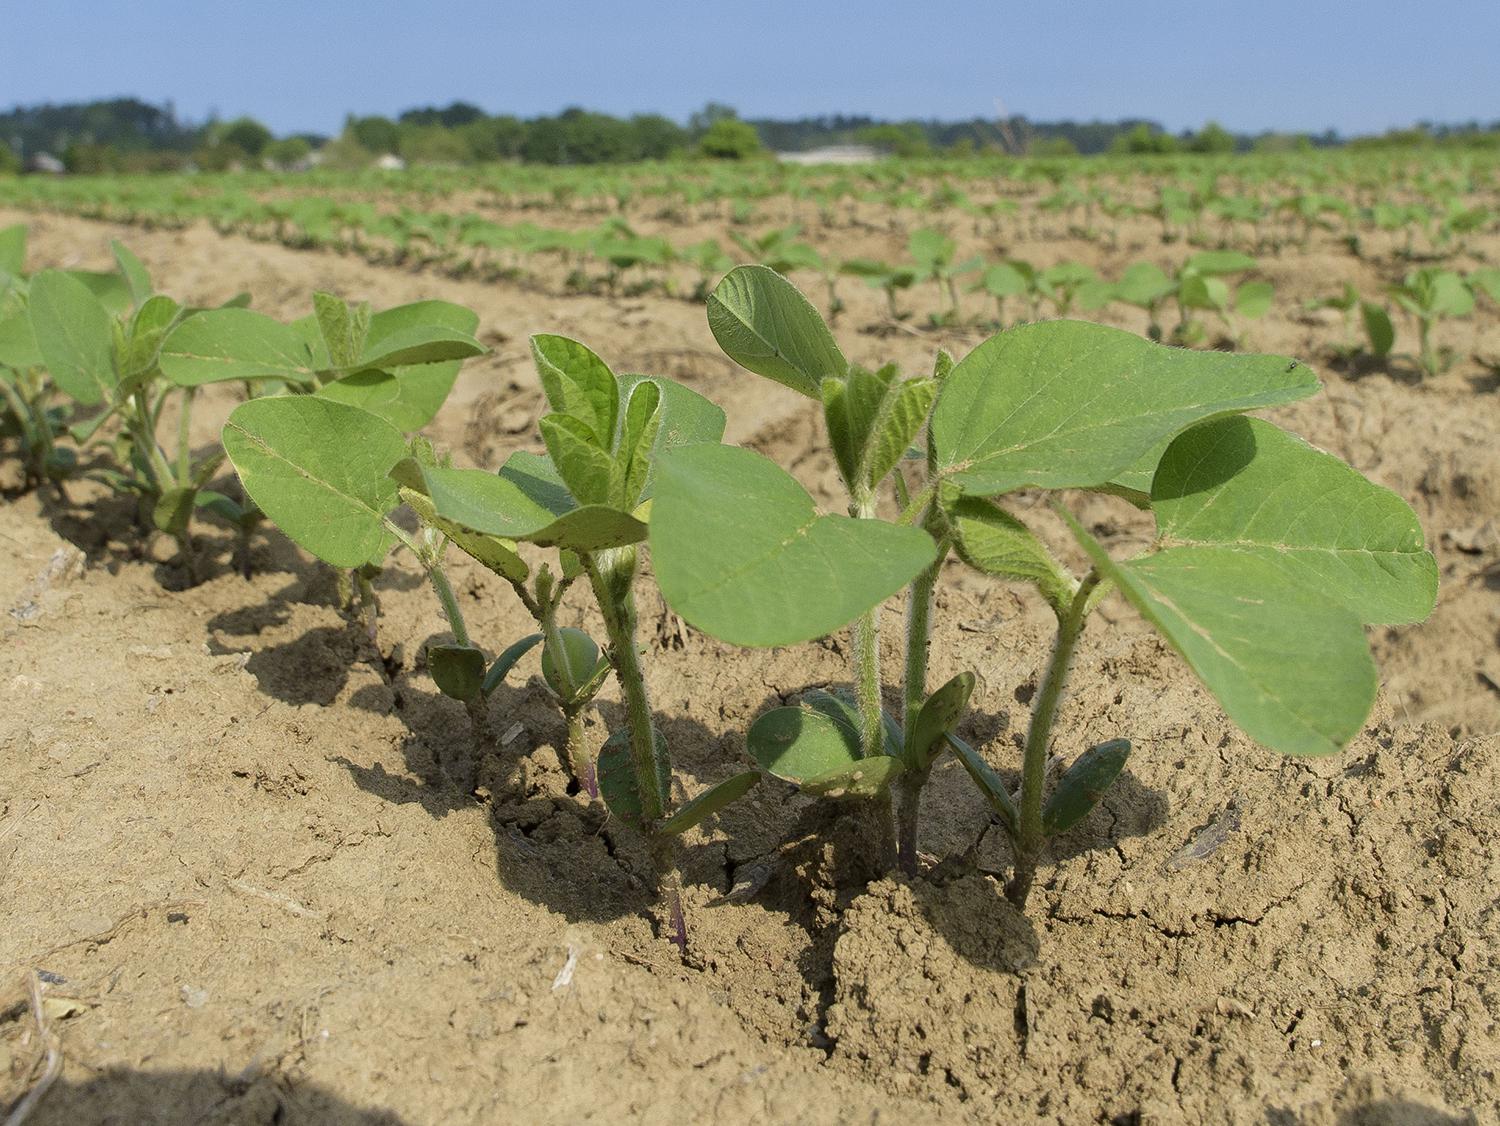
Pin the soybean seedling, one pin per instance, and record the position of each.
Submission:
(1430, 296)
(1240, 506)
(591, 497)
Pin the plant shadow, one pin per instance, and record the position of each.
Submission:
(203, 1098)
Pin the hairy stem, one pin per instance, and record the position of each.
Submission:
(580, 762)
(184, 437)
(867, 659)
(1031, 840)
(914, 778)
(439, 579)
(612, 573)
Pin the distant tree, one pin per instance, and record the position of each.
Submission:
(493, 138)
(10, 163)
(1282, 143)
(374, 134)
(709, 116)
(433, 144)
(730, 139)
(1212, 138)
(1052, 146)
(450, 116)
(657, 137)
(906, 139)
(1144, 138)
(285, 153)
(245, 134)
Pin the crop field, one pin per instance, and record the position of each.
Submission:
(445, 685)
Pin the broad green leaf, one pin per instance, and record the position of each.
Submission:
(1253, 299)
(1069, 404)
(507, 661)
(1083, 784)
(520, 504)
(111, 288)
(1213, 262)
(686, 416)
(765, 324)
(13, 249)
(1198, 292)
(1143, 284)
(991, 540)
(568, 671)
(709, 802)
(320, 471)
(419, 344)
(741, 552)
(989, 783)
(135, 274)
(1289, 665)
(839, 705)
(938, 714)
(408, 398)
(224, 344)
(1450, 297)
(75, 335)
(18, 343)
(457, 670)
(496, 553)
(617, 780)
(817, 752)
(578, 384)
(1247, 486)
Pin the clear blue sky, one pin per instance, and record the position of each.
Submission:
(1250, 64)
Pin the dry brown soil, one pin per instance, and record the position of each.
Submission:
(230, 847)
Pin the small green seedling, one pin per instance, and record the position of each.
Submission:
(1270, 557)
(933, 252)
(1430, 296)
(1380, 333)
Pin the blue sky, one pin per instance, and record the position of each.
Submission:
(1250, 64)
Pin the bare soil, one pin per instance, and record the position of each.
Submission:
(231, 847)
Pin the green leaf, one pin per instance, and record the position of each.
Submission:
(1213, 262)
(1253, 299)
(1450, 297)
(1246, 486)
(111, 288)
(408, 398)
(343, 328)
(18, 343)
(903, 413)
(1378, 327)
(457, 670)
(320, 471)
(417, 345)
(709, 802)
(135, 274)
(817, 752)
(1068, 404)
(578, 384)
(13, 249)
(573, 668)
(75, 335)
(741, 552)
(225, 344)
(1287, 664)
(989, 783)
(1198, 292)
(765, 324)
(632, 461)
(587, 469)
(173, 510)
(148, 328)
(617, 780)
(1144, 284)
(991, 540)
(522, 502)
(1083, 784)
(507, 661)
(496, 553)
(686, 416)
(938, 714)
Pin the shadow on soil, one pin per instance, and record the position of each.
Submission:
(202, 1098)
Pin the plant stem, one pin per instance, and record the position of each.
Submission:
(449, 601)
(184, 437)
(914, 777)
(1031, 840)
(612, 573)
(867, 659)
(577, 752)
